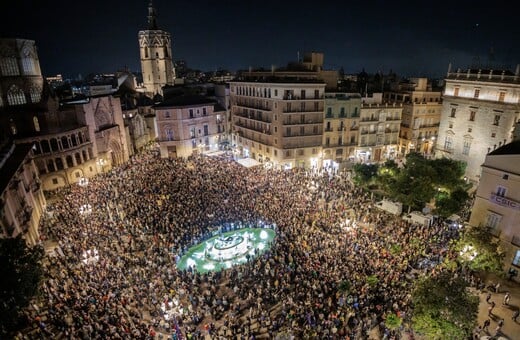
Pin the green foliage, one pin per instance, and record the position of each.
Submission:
(372, 280)
(443, 307)
(485, 255)
(393, 322)
(364, 173)
(21, 271)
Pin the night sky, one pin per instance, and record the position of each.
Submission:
(101, 36)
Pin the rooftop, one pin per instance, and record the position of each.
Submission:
(512, 148)
(185, 101)
(488, 75)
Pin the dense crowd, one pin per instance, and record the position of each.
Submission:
(337, 269)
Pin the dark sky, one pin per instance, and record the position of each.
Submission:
(412, 38)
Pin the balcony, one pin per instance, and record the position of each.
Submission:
(293, 97)
(253, 106)
(251, 128)
(307, 122)
(252, 117)
(328, 129)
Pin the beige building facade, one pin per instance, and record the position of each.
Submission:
(379, 125)
(421, 116)
(155, 48)
(278, 121)
(189, 125)
(22, 202)
(497, 201)
(340, 128)
(480, 109)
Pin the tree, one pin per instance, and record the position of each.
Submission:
(479, 251)
(447, 204)
(364, 173)
(443, 307)
(21, 271)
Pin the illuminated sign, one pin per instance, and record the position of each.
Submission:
(505, 202)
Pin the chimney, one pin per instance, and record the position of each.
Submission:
(449, 70)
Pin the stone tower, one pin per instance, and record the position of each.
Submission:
(156, 56)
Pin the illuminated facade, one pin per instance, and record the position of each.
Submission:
(421, 116)
(480, 108)
(156, 56)
(497, 201)
(189, 125)
(21, 198)
(340, 127)
(379, 124)
(278, 121)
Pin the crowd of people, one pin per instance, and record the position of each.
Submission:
(337, 268)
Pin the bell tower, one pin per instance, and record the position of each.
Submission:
(156, 56)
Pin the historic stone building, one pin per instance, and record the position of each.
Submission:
(479, 111)
(421, 116)
(278, 120)
(189, 124)
(497, 201)
(21, 198)
(340, 128)
(379, 125)
(156, 56)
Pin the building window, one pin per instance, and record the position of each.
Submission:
(192, 132)
(9, 66)
(36, 124)
(476, 94)
(204, 111)
(516, 260)
(329, 111)
(450, 124)
(501, 96)
(501, 191)
(54, 181)
(206, 130)
(276, 93)
(15, 96)
(456, 92)
(453, 111)
(35, 93)
(28, 66)
(493, 134)
(466, 147)
(472, 116)
(493, 220)
(448, 143)
(470, 129)
(496, 120)
(167, 114)
(505, 176)
(191, 113)
(169, 134)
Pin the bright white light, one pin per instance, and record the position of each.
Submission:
(191, 263)
(261, 246)
(468, 252)
(264, 235)
(209, 266)
(83, 182)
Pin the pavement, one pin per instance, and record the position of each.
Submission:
(510, 329)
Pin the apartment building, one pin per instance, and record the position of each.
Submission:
(278, 121)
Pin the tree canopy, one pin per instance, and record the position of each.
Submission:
(21, 271)
(418, 182)
(443, 307)
(480, 251)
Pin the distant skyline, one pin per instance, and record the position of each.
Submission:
(410, 38)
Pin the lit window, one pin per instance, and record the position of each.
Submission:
(9, 66)
(36, 124)
(28, 66)
(35, 93)
(448, 142)
(15, 96)
(456, 92)
(501, 96)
